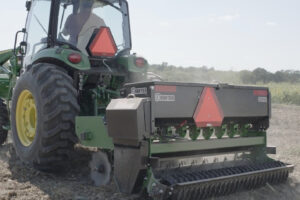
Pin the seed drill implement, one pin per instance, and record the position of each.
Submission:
(72, 79)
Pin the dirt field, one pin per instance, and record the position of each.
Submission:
(20, 182)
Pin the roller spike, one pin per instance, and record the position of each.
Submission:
(206, 188)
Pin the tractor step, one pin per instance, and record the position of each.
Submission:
(192, 184)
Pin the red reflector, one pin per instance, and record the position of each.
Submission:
(140, 62)
(263, 93)
(103, 44)
(165, 88)
(208, 111)
(74, 58)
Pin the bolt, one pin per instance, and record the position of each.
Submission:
(153, 184)
(170, 193)
(161, 191)
(171, 189)
(101, 169)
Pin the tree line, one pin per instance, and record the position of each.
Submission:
(206, 74)
(260, 75)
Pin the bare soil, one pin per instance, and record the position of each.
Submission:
(21, 182)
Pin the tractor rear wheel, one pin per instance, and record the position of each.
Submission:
(44, 107)
(3, 122)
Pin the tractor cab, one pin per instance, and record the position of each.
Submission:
(96, 28)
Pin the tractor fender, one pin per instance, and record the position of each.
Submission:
(59, 56)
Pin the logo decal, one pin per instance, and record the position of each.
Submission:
(162, 97)
(138, 90)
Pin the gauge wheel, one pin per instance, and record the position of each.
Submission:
(101, 168)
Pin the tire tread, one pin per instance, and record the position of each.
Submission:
(3, 121)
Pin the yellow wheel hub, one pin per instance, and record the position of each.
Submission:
(26, 118)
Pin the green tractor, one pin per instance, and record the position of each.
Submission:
(59, 71)
(73, 80)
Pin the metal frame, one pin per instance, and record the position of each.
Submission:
(212, 144)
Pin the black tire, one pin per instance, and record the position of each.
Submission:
(56, 104)
(3, 121)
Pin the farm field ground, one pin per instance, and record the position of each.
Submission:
(20, 182)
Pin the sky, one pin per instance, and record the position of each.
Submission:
(224, 34)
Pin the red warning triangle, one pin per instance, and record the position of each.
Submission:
(103, 44)
(208, 111)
